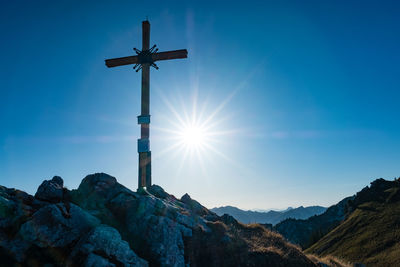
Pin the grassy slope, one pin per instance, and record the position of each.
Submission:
(236, 244)
(369, 235)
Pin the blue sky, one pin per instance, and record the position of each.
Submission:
(302, 96)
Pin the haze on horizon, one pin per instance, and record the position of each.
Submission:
(298, 102)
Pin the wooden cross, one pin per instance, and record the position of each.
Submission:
(145, 59)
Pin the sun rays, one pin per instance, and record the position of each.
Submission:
(193, 132)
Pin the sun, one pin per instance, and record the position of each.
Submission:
(194, 132)
(193, 136)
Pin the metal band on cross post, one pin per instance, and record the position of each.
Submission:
(143, 60)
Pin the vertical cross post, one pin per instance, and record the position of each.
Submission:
(144, 141)
(143, 61)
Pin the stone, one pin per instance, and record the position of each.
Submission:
(15, 208)
(6, 208)
(158, 216)
(51, 190)
(193, 205)
(50, 228)
(158, 191)
(229, 220)
(94, 260)
(58, 180)
(104, 247)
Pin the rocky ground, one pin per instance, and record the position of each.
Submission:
(102, 223)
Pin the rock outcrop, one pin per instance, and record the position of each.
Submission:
(103, 223)
(39, 230)
(51, 190)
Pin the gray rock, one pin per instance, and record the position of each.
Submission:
(158, 191)
(104, 247)
(153, 219)
(15, 208)
(229, 220)
(94, 260)
(195, 206)
(51, 190)
(6, 208)
(164, 239)
(155, 224)
(58, 180)
(96, 190)
(50, 228)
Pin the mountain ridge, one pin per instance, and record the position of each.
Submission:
(271, 217)
(371, 230)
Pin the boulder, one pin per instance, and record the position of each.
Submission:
(154, 224)
(51, 190)
(15, 208)
(7, 208)
(229, 220)
(158, 191)
(96, 190)
(104, 247)
(194, 206)
(49, 227)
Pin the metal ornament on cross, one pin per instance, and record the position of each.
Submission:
(143, 60)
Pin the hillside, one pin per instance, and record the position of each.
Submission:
(306, 232)
(103, 223)
(371, 232)
(270, 217)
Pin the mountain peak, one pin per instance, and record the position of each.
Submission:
(103, 223)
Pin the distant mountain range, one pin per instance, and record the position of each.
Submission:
(270, 217)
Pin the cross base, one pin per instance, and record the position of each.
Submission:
(144, 169)
(142, 191)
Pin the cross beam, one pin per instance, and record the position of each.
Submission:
(121, 61)
(143, 60)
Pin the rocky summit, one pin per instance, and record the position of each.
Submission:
(103, 223)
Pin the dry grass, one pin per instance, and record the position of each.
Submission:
(242, 245)
(262, 240)
(370, 235)
(330, 261)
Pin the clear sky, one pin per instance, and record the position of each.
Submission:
(298, 100)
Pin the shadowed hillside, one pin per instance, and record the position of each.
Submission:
(306, 232)
(371, 232)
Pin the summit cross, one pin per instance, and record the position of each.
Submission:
(143, 60)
